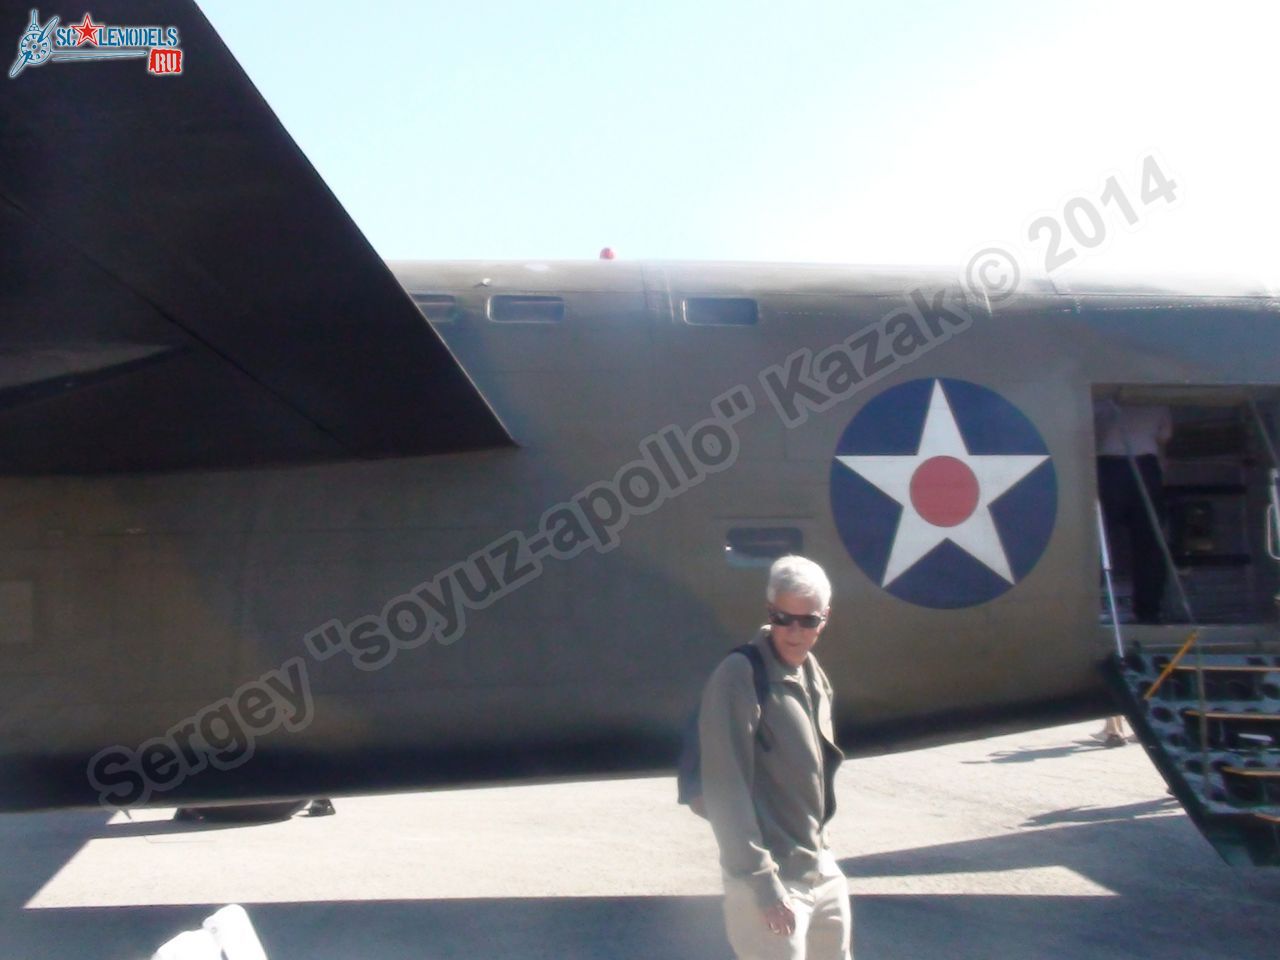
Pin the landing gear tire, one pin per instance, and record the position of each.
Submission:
(243, 812)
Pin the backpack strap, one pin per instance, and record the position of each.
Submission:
(760, 678)
(758, 672)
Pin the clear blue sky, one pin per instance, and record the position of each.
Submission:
(811, 131)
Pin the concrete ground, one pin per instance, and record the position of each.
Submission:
(1041, 844)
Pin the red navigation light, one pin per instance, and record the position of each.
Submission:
(607, 253)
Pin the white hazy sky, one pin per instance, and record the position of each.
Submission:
(811, 131)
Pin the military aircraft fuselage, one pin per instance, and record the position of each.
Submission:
(552, 608)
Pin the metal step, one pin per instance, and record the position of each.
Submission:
(1224, 730)
(1239, 682)
(1212, 728)
(1252, 785)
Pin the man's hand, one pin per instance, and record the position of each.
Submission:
(781, 919)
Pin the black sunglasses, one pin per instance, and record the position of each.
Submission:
(808, 621)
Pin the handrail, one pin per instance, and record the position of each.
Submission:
(1105, 550)
(1172, 664)
(1273, 515)
(1153, 517)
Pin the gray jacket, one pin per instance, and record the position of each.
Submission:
(768, 797)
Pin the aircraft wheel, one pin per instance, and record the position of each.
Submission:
(246, 812)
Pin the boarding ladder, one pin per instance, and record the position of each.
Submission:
(1208, 715)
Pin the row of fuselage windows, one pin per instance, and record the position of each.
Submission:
(518, 308)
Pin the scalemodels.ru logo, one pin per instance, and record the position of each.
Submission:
(98, 41)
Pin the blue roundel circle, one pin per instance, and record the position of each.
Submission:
(943, 492)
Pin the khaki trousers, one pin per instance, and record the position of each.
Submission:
(824, 922)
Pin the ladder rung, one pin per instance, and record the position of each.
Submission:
(1267, 817)
(1251, 772)
(1220, 669)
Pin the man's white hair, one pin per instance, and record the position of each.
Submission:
(800, 576)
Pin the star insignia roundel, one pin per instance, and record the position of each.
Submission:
(943, 492)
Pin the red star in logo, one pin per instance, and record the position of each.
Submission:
(88, 31)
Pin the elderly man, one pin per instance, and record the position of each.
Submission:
(767, 771)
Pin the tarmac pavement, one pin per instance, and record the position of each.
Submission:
(1035, 845)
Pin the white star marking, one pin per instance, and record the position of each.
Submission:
(916, 536)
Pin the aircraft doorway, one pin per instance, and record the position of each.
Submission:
(1216, 482)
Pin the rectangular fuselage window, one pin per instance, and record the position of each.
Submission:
(437, 308)
(721, 311)
(760, 546)
(511, 308)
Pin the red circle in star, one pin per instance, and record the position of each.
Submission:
(944, 491)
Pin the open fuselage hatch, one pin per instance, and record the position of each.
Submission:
(1217, 480)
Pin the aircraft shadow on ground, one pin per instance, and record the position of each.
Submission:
(626, 928)
(35, 846)
(1169, 897)
(1165, 894)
